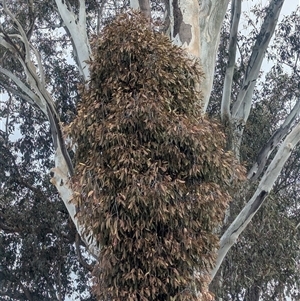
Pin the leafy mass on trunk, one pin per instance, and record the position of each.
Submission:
(151, 174)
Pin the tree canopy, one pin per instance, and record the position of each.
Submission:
(152, 135)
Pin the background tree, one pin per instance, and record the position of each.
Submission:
(38, 40)
(253, 269)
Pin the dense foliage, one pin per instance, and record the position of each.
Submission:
(151, 173)
(37, 239)
(40, 253)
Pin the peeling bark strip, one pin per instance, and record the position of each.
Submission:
(257, 203)
(183, 30)
(211, 16)
(182, 24)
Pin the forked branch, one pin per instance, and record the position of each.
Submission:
(265, 186)
(241, 107)
(35, 90)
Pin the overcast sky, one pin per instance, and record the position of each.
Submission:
(288, 6)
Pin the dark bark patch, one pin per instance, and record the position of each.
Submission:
(257, 203)
(184, 30)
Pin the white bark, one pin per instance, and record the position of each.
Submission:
(240, 113)
(34, 99)
(15, 92)
(76, 27)
(134, 4)
(60, 180)
(265, 186)
(211, 17)
(197, 28)
(39, 95)
(242, 105)
(236, 7)
(184, 25)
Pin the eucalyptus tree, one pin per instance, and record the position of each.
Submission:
(39, 39)
(253, 268)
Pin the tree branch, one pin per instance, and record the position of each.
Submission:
(37, 83)
(241, 107)
(267, 149)
(21, 31)
(41, 97)
(265, 186)
(17, 93)
(212, 13)
(236, 8)
(28, 92)
(76, 28)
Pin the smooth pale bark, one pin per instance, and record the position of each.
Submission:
(265, 186)
(60, 180)
(236, 7)
(134, 4)
(242, 106)
(238, 118)
(256, 58)
(184, 25)
(36, 91)
(27, 94)
(212, 13)
(76, 28)
(15, 92)
(196, 26)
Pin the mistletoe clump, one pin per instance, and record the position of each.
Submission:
(151, 173)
